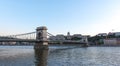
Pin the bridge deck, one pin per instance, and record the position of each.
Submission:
(18, 40)
(34, 40)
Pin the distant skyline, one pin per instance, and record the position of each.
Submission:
(87, 17)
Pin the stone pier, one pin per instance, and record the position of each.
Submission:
(41, 37)
(41, 57)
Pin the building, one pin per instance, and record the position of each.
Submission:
(60, 37)
(102, 34)
(77, 35)
(84, 38)
(117, 34)
(112, 41)
(57, 38)
(68, 37)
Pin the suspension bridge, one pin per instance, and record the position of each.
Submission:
(26, 37)
(39, 36)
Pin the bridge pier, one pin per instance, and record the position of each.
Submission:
(41, 57)
(41, 37)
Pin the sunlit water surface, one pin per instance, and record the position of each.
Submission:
(60, 56)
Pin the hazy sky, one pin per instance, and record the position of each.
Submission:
(87, 17)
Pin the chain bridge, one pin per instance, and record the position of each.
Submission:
(25, 37)
(39, 36)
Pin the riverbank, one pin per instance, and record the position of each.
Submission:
(104, 46)
(79, 45)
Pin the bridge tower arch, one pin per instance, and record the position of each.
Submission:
(41, 37)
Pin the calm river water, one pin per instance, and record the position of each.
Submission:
(59, 56)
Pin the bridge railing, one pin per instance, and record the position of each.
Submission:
(30, 35)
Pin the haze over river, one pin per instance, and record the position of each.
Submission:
(59, 56)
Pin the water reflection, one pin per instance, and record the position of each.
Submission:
(41, 57)
(59, 56)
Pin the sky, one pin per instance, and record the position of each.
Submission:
(86, 17)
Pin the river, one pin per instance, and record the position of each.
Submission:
(59, 56)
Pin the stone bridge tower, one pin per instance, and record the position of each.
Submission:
(41, 37)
